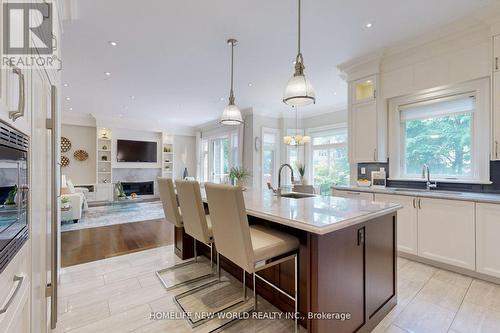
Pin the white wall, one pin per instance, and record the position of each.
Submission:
(84, 138)
(185, 155)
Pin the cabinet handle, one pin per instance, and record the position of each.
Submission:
(375, 154)
(496, 149)
(354, 193)
(414, 203)
(19, 280)
(496, 63)
(14, 115)
(361, 236)
(374, 93)
(419, 203)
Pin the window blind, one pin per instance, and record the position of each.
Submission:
(438, 108)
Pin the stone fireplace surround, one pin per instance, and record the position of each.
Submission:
(135, 175)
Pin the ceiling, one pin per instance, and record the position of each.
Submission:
(173, 58)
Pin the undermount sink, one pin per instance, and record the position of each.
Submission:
(296, 195)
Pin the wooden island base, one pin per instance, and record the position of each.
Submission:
(348, 272)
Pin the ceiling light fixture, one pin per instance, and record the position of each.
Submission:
(296, 139)
(68, 98)
(112, 43)
(132, 97)
(66, 85)
(369, 25)
(107, 73)
(299, 90)
(71, 109)
(231, 114)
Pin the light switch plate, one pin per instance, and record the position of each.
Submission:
(363, 171)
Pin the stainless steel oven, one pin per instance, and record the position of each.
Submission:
(13, 192)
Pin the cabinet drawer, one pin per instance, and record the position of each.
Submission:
(14, 292)
(488, 239)
(353, 195)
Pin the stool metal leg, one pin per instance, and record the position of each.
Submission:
(254, 293)
(296, 292)
(183, 264)
(220, 309)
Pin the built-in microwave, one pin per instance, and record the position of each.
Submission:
(14, 189)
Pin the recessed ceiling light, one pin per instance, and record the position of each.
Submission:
(107, 73)
(112, 43)
(71, 109)
(65, 84)
(250, 84)
(222, 98)
(132, 97)
(334, 93)
(369, 25)
(68, 98)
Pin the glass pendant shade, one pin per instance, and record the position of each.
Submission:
(299, 91)
(231, 115)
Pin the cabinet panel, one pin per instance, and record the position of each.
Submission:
(446, 232)
(353, 195)
(407, 221)
(363, 128)
(495, 152)
(488, 239)
(496, 53)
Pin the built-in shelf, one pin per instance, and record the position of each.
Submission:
(168, 153)
(104, 170)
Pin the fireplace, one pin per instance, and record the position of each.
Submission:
(139, 188)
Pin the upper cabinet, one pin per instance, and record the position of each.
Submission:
(495, 149)
(364, 90)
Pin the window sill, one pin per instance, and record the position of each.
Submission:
(458, 181)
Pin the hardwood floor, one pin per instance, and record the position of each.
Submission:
(86, 245)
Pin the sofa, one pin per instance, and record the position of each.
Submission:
(76, 199)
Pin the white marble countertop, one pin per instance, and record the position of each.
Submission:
(318, 215)
(452, 195)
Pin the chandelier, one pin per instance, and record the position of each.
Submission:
(296, 139)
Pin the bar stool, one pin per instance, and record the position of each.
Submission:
(174, 216)
(253, 248)
(197, 224)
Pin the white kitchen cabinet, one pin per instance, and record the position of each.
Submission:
(495, 151)
(446, 231)
(364, 90)
(407, 221)
(363, 132)
(488, 239)
(353, 195)
(496, 53)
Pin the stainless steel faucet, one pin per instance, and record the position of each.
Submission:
(278, 191)
(429, 184)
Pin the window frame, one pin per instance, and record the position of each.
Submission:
(312, 132)
(480, 139)
(276, 132)
(234, 148)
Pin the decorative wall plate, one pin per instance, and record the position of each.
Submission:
(81, 155)
(65, 144)
(64, 161)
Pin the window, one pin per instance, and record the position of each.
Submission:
(439, 134)
(446, 129)
(330, 164)
(218, 154)
(270, 156)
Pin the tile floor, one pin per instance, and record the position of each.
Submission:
(118, 295)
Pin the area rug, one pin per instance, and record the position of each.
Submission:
(116, 214)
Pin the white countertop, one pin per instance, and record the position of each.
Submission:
(318, 215)
(452, 195)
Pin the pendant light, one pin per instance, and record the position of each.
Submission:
(299, 90)
(231, 114)
(297, 139)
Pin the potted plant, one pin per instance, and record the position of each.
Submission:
(302, 171)
(120, 193)
(65, 203)
(11, 197)
(238, 176)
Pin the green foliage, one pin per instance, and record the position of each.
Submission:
(119, 190)
(11, 197)
(302, 168)
(65, 200)
(331, 167)
(239, 173)
(443, 143)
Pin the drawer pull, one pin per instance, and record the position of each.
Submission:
(19, 280)
(354, 193)
(14, 115)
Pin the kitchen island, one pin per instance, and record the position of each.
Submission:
(347, 258)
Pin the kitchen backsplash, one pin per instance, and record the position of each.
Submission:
(489, 188)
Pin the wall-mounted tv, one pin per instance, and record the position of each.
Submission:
(136, 151)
